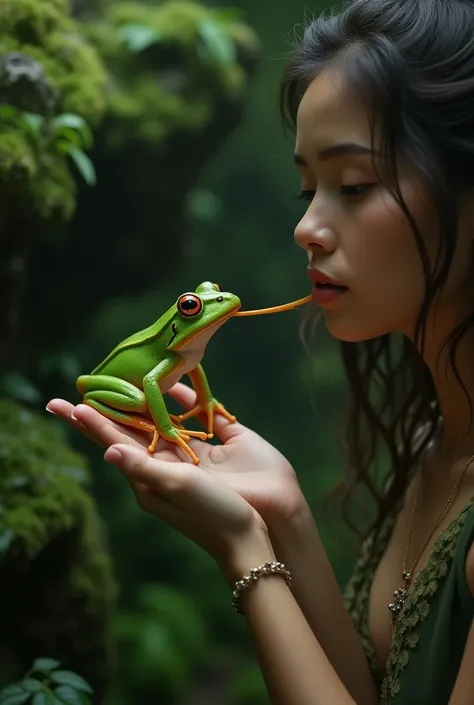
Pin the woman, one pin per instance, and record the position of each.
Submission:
(381, 96)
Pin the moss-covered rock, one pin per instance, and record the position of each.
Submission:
(169, 65)
(56, 581)
(17, 159)
(50, 69)
(31, 21)
(71, 65)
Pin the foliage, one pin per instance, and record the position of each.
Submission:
(46, 684)
(44, 31)
(149, 73)
(169, 63)
(32, 150)
(162, 640)
(47, 518)
(52, 84)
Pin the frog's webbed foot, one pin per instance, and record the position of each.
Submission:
(176, 422)
(179, 436)
(209, 408)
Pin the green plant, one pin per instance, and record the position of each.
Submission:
(46, 684)
(68, 134)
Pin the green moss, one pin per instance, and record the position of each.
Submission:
(44, 31)
(44, 177)
(147, 97)
(149, 112)
(71, 65)
(54, 190)
(58, 587)
(29, 20)
(17, 161)
(43, 495)
(177, 20)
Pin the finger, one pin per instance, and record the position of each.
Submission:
(64, 410)
(224, 429)
(191, 491)
(187, 397)
(104, 431)
(168, 478)
(150, 501)
(184, 395)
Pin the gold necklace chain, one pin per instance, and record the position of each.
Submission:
(400, 595)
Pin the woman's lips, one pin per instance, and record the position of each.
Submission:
(326, 294)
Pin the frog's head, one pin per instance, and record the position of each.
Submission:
(199, 314)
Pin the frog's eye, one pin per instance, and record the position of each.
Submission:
(189, 305)
(218, 287)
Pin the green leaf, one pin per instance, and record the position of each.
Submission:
(217, 42)
(70, 136)
(45, 665)
(66, 694)
(83, 164)
(76, 122)
(14, 698)
(32, 685)
(6, 538)
(69, 123)
(45, 697)
(72, 679)
(138, 37)
(34, 121)
(14, 689)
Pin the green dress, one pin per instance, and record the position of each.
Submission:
(432, 629)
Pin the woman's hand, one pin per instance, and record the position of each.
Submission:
(244, 463)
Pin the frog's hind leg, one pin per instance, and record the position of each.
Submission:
(126, 406)
(133, 420)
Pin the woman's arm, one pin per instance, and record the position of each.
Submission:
(297, 544)
(294, 664)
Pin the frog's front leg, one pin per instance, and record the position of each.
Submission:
(205, 401)
(159, 412)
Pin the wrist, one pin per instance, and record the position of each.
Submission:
(247, 552)
(288, 534)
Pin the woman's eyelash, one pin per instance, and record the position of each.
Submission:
(305, 195)
(346, 190)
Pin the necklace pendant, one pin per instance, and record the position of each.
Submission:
(400, 596)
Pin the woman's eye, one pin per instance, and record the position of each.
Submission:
(355, 189)
(350, 190)
(306, 196)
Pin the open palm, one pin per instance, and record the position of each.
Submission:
(244, 461)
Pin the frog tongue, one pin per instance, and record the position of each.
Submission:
(275, 309)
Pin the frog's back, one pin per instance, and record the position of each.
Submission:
(143, 343)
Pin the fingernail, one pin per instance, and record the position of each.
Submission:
(50, 411)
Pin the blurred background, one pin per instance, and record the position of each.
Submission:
(141, 153)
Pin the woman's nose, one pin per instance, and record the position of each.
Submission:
(310, 235)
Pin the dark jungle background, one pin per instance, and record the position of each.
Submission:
(141, 152)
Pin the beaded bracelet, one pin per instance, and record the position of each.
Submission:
(271, 568)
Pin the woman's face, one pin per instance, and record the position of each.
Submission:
(353, 229)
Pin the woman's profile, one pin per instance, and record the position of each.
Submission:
(380, 96)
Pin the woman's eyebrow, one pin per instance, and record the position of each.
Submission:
(337, 150)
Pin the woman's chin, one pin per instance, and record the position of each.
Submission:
(352, 331)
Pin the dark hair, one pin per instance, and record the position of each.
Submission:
(412, 66)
